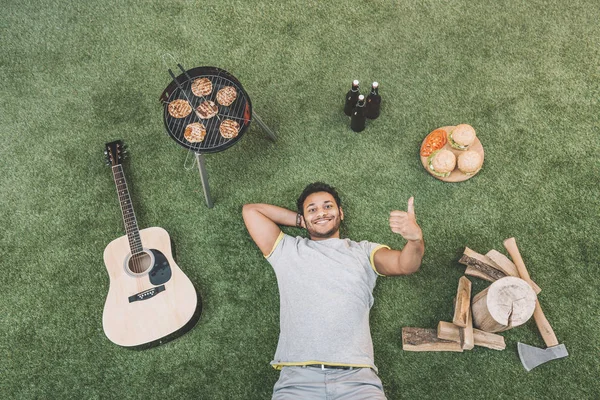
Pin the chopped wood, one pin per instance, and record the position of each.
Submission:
(483, 263)
(472, 271)
(505, 304)
(489, 340)
(423, 339)
(490, 267)
(466, 333)
(462, 306)
(479, 295)
(508, 266)
(449, 331)
(503, 262)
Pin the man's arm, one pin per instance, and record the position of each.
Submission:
(262, 222)
(408, 260)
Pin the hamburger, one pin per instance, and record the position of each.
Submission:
(469, 162)
(461, 137)
(441, 163)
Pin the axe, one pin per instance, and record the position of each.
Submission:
(531, 356)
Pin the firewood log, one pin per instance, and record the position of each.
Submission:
(449, 331)
(490, 267)
(505, 304)
(423, 339)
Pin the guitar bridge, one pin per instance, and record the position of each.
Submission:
(147, 294)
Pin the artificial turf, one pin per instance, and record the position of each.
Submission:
(78, 74)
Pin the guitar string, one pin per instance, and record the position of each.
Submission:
(138, 259)
(136, 266)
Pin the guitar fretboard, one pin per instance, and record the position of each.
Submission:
(131, 226)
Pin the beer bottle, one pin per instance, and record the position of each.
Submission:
(373, 102)
(357, 121)
(351, 98)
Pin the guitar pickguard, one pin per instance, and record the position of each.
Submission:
(161, 270)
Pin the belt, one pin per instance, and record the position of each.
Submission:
(324, 366)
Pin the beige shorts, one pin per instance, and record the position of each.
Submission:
(308, 383)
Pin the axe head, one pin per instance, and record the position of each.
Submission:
(531, 356)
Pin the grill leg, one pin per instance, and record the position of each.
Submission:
(263, 126)
(204, 178)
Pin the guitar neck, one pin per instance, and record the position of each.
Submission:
(131, 226)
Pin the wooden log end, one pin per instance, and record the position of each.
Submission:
(448, 331)
(506, 303)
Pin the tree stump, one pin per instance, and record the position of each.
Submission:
(506, 303)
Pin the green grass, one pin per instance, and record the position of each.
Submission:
(75, 75)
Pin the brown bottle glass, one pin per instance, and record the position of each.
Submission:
(351, 98)
(373, 105)
(357, 121)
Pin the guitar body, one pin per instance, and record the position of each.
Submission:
(146, 304)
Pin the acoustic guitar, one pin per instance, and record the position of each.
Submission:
(150, 300)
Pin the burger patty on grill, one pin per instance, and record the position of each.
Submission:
(179, 108)
(201, 87)
(226, 96)
(194, 132)
(207, 109)
(229, 128)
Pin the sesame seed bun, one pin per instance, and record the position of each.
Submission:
(469, 162)
(462, 136)
(442, 163)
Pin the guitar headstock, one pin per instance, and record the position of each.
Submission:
(115, 152)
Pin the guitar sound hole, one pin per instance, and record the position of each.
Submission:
(139, 263)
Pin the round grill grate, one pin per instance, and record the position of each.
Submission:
(239, 111)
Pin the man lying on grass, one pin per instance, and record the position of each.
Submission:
(326, 292)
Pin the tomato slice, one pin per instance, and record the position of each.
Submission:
(434, 141)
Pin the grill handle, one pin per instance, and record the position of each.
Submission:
(184, 71)
(175, 80)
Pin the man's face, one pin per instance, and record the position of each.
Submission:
(322, 216)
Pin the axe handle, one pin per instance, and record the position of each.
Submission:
(540, 319)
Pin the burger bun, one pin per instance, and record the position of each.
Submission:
(469, 162)
(441, 163)
(461, 137)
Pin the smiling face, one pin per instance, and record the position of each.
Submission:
(322, 216)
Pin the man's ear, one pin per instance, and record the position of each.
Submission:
(341, 214)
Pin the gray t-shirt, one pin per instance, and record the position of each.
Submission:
(326, 292)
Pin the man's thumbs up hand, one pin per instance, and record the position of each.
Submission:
(405, 222)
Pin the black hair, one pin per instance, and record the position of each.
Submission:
(314, 188)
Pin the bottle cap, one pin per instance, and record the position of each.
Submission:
(355, 82)
(361, 97)
(375, 85)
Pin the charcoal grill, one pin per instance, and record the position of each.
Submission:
(240, 111)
